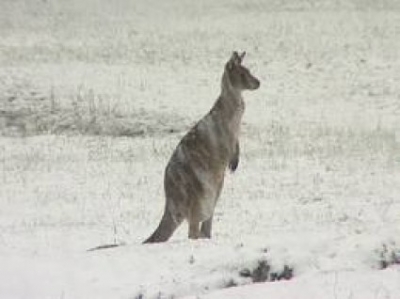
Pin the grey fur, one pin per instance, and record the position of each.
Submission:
(194, 176)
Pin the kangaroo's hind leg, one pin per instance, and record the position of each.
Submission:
(206, 228)
(194, 218)
(194, 232)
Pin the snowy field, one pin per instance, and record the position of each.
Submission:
(95, 95)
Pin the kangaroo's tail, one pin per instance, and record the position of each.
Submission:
(165, 229)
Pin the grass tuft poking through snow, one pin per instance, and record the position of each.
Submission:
(263, 273)
(389, 255)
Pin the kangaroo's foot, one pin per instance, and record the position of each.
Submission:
(206, 228)
(194, 231)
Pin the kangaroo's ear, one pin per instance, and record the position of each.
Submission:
(234, 60)
(242, 56)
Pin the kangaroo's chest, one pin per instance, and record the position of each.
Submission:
(212, 141)
(235, 121)
(230, 122)
(218, 137)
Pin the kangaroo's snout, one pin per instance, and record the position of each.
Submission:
(251, 82)
(255, 84)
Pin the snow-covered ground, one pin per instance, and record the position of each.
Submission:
(94, 96)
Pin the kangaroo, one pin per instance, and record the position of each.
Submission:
(194, 175)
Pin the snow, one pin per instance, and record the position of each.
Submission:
(341, 285)
(94, 96)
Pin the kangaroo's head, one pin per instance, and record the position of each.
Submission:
(239, 76)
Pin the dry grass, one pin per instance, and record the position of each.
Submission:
(28, 113)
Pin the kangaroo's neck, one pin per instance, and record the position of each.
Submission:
(229, 108)
(228, 91)
(230, 101)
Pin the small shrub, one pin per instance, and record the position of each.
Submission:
(388, 255)
(231, 283)
(263, 273)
